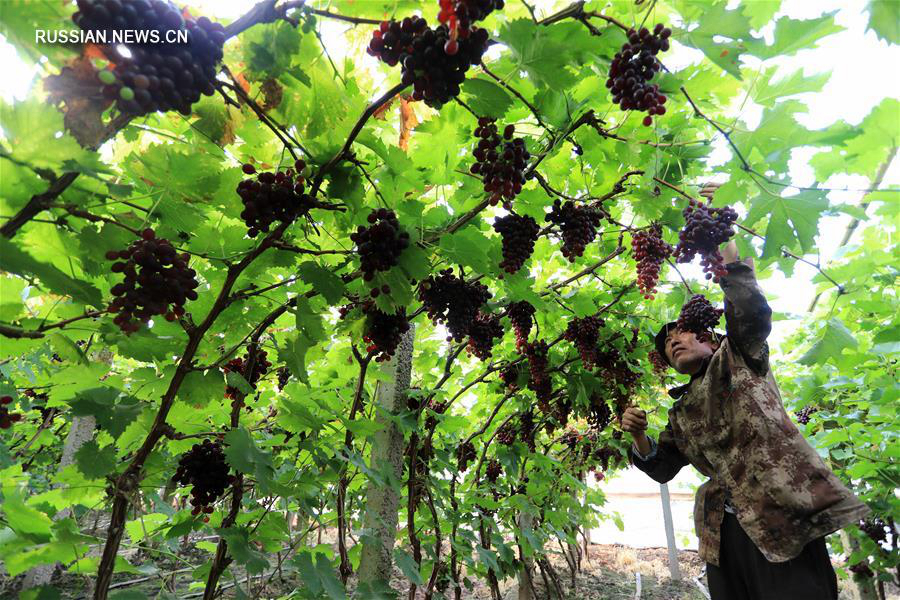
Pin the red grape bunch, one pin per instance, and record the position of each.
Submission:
(272, 197)
(157, 281)
(380, 244)
(650, 251)
(539, 381)
(660, 366)
(501, 164)
(458, 15)
(454, 301)
(519, 235)
(252, 367)
(431, 61)
(382, 332)
(521, 315)
(584, 333)
(7, 418)
(154, 76)
(493, 470)
(705, 229)
(203, 467)
(485, 328)
(618, 377)
(599, 413)
(507, 433)
(698, 316)
(465, 453)
(527, 429)
(578, 224)
(632, 69)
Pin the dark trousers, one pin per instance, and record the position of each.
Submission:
(745, 574)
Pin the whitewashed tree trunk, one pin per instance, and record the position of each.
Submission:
(382, 502)
(526, 584)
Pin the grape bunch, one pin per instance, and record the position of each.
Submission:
(493, 470)
(432, 60)
(383, 332)
(484, 329)
(521, 315)
(284, 376)
(650, 251)
(805, 413)
(599, 414)
(459, 15)
(862, 570)
(875, 528)
(519, 235)
(632, 69)
(660, 366)
(509, 375)
(618, 376)
(501, 163)
(465, 453)
(148, 77)
(698, 316)
(272, 197)
(603, 454)
(203, 467)
(7, 418)
(252, 367)
(705, 229)
(157, 281)
(506, 434)
(527, 428)
(438, 408)
(561, 409)
(454, 301)
(539, 380)
(578, 224)
(380, 244)
(584, 333)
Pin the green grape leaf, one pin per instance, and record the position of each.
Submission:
(95, 462)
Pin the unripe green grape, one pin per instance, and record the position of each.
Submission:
(126, 93)
(107, 77)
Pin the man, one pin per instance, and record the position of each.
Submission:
(770, 499)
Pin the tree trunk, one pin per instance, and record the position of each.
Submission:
(382, 502)
(526, 571)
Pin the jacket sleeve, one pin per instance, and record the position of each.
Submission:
(663, 461)
(748, 318)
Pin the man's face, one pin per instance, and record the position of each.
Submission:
(685, 352)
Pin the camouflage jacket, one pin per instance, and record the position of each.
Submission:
(730, 424)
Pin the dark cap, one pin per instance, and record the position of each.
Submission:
(660, 340)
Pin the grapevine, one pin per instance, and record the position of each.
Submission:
(519, 235)
(632, 69)
(698, 316)
(578, 224)
(500, 163)
(157, 281)
(484, 329)
(203, 467)
(149, 77)
(454, 301)
(650, 251)
(705, 229)
(521, 315)
(273, 197)
(380, 244)
(584, 333)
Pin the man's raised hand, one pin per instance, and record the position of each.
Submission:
(634, 421)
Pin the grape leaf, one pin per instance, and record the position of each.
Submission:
(486, 97)
(15, 260)
(95, 462)
(831, 344)
(322, 280)
(884, 19)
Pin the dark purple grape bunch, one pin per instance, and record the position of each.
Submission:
(632, 69)
(273, 197)
(383, 332)
(521, 315)
(204, 468)
(509, 375)
(500, 163)
(459, 15)
(584, 333)
(877, 529)
(7, 418)
(432, 61)
(518, 233)
(804, 414)
(699, 316)
(539, 382)
(599, 414)
(484, 330)
(158, 281)
(650, 250)
(493, 470)
(438, 408)
(452, 300)
(253, 366)
(148, 76)
(284, 376)
(705, 229)
(507, 433)
(578, 224)
(527, 429)
(380, 244)
(465, 453)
